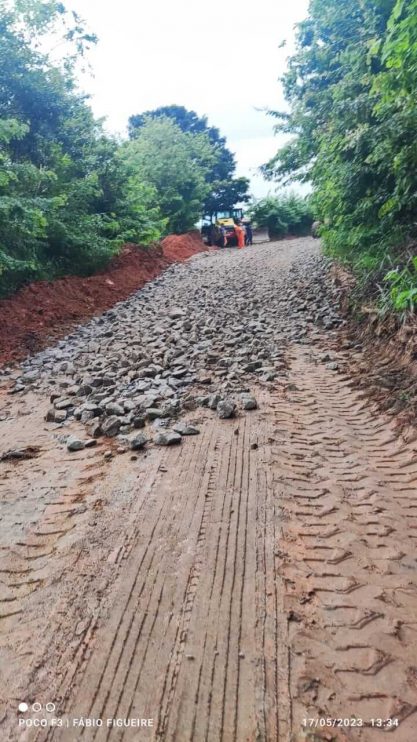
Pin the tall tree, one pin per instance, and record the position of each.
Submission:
(226, 191)
(342, 140)
(176, 164)
(66, 199)
(352, 91)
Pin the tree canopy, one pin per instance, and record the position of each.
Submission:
(176, 164)
(351, 87)
(225, 190)
(70, 195)
(66, 202)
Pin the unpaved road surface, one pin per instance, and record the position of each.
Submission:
(257, 581)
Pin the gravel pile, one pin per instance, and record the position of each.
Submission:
(201, 334)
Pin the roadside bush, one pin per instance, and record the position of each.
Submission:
(402, 286)
(286, 214)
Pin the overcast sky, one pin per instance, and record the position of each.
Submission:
(219, 58)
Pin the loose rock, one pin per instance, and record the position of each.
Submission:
(110, 426)
(138, 442)
(214, 323)
(184, 428)
(167, 438)
(55, 416)
(75, 444)
(249, 402)
(226, 409)
(63, 404)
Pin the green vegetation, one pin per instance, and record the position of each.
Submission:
(66, 203)
(224, 190)
(352, 90)
(286, 214)
(403, 286)
(70, 195)
(177, 164)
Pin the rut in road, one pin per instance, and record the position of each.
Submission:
(287, 590)
(259, 575)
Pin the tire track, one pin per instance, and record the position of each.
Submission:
(262, 573)
(203, 627)
(346, 556)
(264, 585)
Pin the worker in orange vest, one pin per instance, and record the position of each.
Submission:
(240, 235)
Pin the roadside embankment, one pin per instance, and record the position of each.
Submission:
(383, 361)
(386, 368)
(45, 310)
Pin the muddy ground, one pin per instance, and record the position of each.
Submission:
(256, 580)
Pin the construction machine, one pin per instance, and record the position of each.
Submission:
(214, 223)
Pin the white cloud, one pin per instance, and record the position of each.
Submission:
(219, 58)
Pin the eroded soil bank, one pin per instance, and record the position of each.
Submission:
(386, 368)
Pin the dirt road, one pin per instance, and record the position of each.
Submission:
(256, 582)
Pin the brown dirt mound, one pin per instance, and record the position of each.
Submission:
(179, 247)
(46, 310)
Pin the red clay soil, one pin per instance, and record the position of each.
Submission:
(46, 310)
(179, 247)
